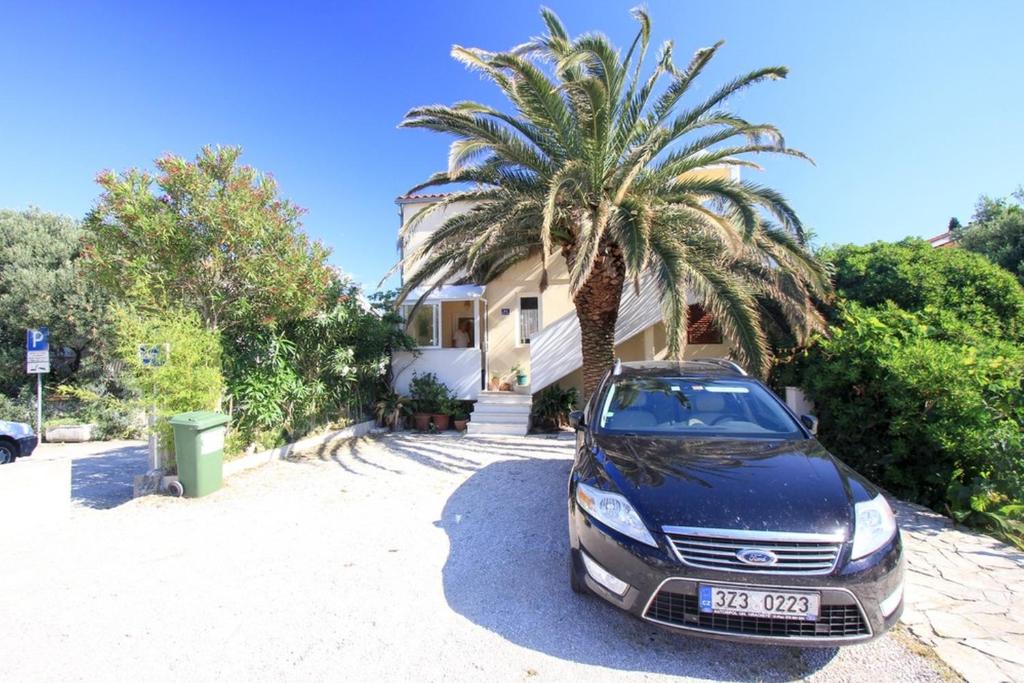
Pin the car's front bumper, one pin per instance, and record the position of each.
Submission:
(663, 590)
(26, 445)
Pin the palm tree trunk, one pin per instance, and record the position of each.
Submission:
(597, 309)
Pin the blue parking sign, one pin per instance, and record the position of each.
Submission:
(37, 339)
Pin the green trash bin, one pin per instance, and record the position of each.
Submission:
(199, 451)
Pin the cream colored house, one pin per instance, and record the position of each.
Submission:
(509, 323)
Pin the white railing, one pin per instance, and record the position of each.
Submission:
(555, 350)
(460, 369)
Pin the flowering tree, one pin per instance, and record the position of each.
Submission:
(209, 235)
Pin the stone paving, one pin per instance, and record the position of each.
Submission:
(102, 472)
(964, 596)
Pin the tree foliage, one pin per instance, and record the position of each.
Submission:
(330, 367)
(605, 165)
(997, 231)
(920, 381)
(210, 235)
(189, 379)
(41, 284)
(962, 292)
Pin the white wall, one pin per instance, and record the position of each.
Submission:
(458, 368)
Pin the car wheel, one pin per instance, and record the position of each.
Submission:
(7, 455)
(575, 582)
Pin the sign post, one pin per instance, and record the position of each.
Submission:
(153, 356)
(37, 362)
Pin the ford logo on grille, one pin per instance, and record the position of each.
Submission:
(756, 556)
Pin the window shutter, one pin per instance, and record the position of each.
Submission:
(529, 318)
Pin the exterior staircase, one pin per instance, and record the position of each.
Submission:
(501, 412)
(555, 350)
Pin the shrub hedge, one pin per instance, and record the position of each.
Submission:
(920, 382)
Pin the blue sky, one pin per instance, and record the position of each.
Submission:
(911, 109)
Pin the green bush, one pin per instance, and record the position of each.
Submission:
(920, 382)
(116, 419)
(113, 417)
(20, 409)
(428, 394)
(997, 231)
(961, 292)
(552, 405)
(913, 411)
(189, 379)
(328, 369)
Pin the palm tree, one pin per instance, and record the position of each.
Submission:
(608, 168)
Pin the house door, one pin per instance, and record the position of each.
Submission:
(481, 324)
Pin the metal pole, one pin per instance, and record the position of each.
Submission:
(154, 455)
(39, 405)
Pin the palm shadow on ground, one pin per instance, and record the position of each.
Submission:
(507, 572)
(448, 452)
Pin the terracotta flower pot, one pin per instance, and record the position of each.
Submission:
(441, 421)
(421, 421)
(460, 425)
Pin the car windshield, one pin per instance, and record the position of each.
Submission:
(698, 407)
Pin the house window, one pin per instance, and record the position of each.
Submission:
(529, 318)
(701, 327)
(422, 325)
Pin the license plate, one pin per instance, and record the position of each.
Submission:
(759, 603)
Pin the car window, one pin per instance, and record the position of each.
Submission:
(708, 407)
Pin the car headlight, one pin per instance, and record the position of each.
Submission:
(614, 510)
(874, 526)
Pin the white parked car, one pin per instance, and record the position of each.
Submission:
(17, 440)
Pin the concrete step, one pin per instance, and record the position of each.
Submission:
(486, 429)
(500, 418)
(504, 397)
(500, 409)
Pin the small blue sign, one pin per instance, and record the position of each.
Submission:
(705, 599)
(37, 339)
(153, 355)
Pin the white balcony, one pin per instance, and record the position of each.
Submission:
(460, 369)
(447, 326)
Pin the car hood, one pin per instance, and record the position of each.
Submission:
(15, 429)
(734, 484)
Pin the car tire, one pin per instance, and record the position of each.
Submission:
(8, 452)
(575, 582)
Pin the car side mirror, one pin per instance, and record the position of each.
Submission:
(810, 422)
(576, 419)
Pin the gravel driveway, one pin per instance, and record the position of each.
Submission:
(391, 558)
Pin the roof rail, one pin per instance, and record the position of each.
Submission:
(724, 363)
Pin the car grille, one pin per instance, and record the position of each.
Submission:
(708, 551)
(835, 621)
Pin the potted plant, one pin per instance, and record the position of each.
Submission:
(442, 414)
(392, 409)
(429, 396)
(422, 391)
(520, 374)
(460, 415)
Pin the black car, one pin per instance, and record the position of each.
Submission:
(698, 501)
